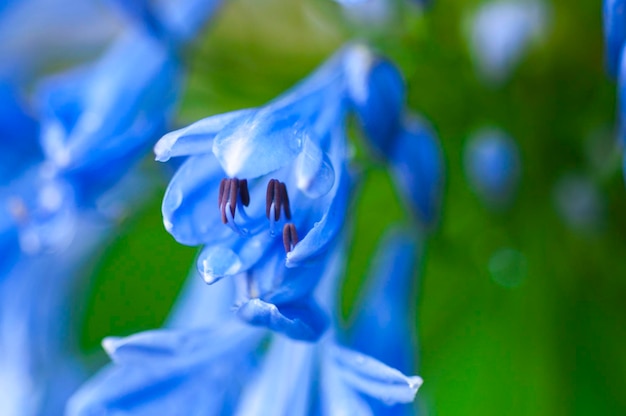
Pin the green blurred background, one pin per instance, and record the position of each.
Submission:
(545, 334)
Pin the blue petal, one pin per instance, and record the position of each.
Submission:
(231, 257)
(614, 32)
(417, 169)
(314, 172)
(302, 320)
(274, 136)
(324, 231)
(169, 372)
(378, 94)
(337, 398)
(100, 119)
(382, 328)
(196, 138)
(373, 378)
(284, 383)
(189, 200)
(260, 143)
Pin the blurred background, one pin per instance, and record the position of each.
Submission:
(521, 305)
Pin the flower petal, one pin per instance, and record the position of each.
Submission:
(196, 138)
(302, 320)
(417, 169)
(385, 307)
(189, 200)
(231, 257)
(323, 232)
(373, 378)
(378, 94)
(260, 143)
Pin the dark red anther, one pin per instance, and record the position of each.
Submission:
(244, 192)
(269, 197)
(234, 191)
(277, 195)
(285, 197)
(230, 190)
(290, 237)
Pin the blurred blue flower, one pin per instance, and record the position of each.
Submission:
(99, 119)
(173, 369)
(416, 164)
(500, 33)
(377, 92)
(492, 166)
(614, 14)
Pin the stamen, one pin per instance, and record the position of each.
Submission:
(230, 191)
(269, 197)
(244, 193)
(277, 195)
(290, 237)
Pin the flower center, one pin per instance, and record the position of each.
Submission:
(234, 195)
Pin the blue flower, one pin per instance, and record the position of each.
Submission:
(276, 179)
(166, 369)
(492, 166)
(378, 95)
(500, 33)
(416, 164)
(614, 14)
(97, 120)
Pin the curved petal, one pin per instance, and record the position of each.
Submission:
(324, 231)
(314, 172)
(229, 258)
(378, 95)
(169, 372)
(302, 320)
(385, 307)
(260, 143)
(189, 200)
(373, 378)
(337, 398)
(197, 138)
(417, 169)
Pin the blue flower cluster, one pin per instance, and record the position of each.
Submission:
(66, 148)
(267, 192)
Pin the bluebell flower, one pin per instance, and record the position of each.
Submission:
(416, 165)
(492, 166)
(614, 14)
(166, 369)
(280, 179)
(501, 32)
(580, 203)
(97, 120)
